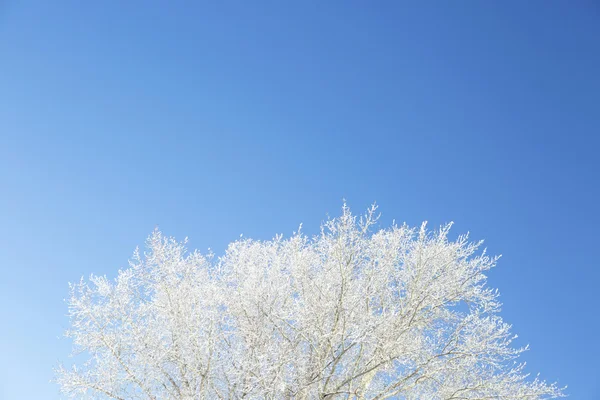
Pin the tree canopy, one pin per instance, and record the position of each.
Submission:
(351, 313)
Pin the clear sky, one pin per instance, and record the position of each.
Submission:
(211, 119)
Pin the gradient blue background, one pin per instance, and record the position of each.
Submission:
(251, 117)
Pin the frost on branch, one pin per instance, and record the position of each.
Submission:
(398, 313)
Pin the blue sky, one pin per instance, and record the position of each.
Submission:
(219, 118)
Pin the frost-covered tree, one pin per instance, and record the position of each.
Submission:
(348, 314)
